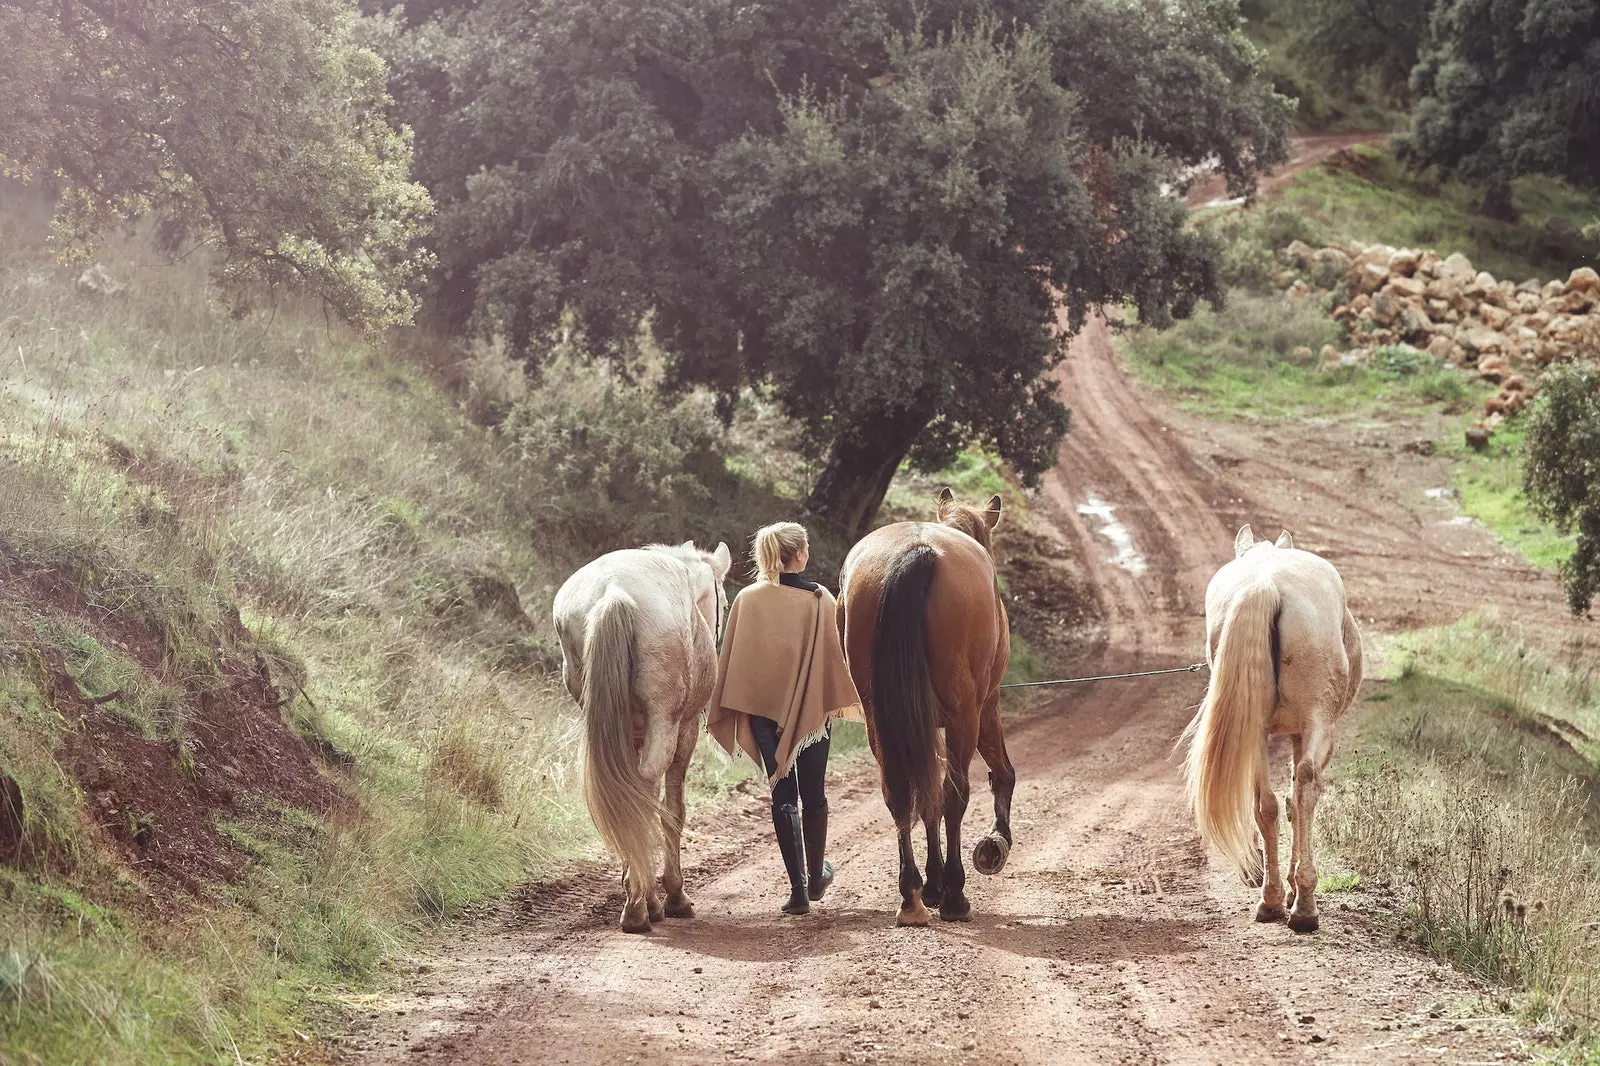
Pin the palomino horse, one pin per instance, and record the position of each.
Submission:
(925, 634)
(638, 633)
(1285, 656)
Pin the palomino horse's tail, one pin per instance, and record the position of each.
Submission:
(904, 706)
(625, 809)
(1227, 738)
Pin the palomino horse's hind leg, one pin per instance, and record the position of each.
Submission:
(1270, 909)
(933, 887)
(989, 854)
(1308, 770)
(672, 815)
(635, 908)
(912, 912)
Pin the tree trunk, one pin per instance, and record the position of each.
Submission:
(1497, 203)
(860, 465)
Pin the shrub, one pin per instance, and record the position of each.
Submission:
(1562, 472)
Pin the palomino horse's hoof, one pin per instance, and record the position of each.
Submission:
(989, 854)
(635, 925)
(914, 913)
(657, 911)
(1303, 923)
(1264, 913)
(682, 909)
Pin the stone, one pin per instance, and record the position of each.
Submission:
(1436, 308)
(1439, 346)
(1370, 277)
(1361, 303)
(1477, 437)
(1528, 302)
(1494, 317)
(1457, 265)
(1407, 286)
(1552, 289)
(1328, 266)
(1385, 308)
(1297, 253)
(1428, 263)
(1403, 263)
(1554, 306)
(1494, 367)
(1583, 279)
(1531, 285)
(1413, 324)
(1300, 354)
(1515, 382)
(1297, 291)
(1329, 354)
(1485, 280)
(1480, 340)
(1578, 301)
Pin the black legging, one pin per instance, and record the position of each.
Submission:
(803, 782)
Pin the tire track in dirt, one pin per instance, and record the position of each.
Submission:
(1109, 938)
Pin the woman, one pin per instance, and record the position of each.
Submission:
(781, 682)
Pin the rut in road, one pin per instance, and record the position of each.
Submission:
(1109, 937)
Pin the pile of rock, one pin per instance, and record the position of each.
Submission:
(1463, 316)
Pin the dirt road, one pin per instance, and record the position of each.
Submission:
(1109, 938)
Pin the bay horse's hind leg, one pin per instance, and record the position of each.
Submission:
(912, 912)
(960, 740)
(990, 853)
(672, 815)
(933, 889)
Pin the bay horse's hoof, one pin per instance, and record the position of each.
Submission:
(989, 854)
(1265, 913)
(681, 909)
(956, 910)
(931, 896)
(913, 913)
(1303, 923)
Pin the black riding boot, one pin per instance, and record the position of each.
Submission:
(786, 822)
(814, 820)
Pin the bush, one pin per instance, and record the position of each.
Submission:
(1250, 237)
(1561, 475)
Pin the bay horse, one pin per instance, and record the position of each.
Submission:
(1285, 657)
(927, 641)
(638, 632)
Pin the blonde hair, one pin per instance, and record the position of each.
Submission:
(776, 546)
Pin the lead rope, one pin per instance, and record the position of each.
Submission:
(1106, 677)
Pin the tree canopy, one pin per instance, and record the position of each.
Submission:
(255, 125)
(1561, 471)
(1506, 88)
(882, 212)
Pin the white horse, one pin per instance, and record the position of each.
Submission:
(1285, 656)
(638, 633)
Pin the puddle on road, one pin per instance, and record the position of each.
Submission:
(1127, 556)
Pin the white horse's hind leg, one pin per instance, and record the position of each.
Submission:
(1312, 759)
(1270, 909)
(672, 816)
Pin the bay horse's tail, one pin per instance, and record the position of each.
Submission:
(1227, 738)
(625, 809)
(905, 707)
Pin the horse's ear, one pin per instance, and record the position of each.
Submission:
(722, 560)
(946, 498)
(1242, 542)
(991, 513)
(688, 544)
(1284, 540)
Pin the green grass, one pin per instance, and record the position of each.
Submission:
(1391, 205)
(1240, 362)
(1489, 484)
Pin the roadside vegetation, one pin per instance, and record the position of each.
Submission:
(1469, 801)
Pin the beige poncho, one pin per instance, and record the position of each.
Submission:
(781, 659)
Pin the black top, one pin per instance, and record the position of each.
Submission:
(795, 581)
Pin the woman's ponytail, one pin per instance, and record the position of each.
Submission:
(776, 546)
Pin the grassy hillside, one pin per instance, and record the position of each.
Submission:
(276, 675)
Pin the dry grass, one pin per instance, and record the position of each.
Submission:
(1473, 787)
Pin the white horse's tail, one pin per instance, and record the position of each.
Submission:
(625, 808)
(1227, 738)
